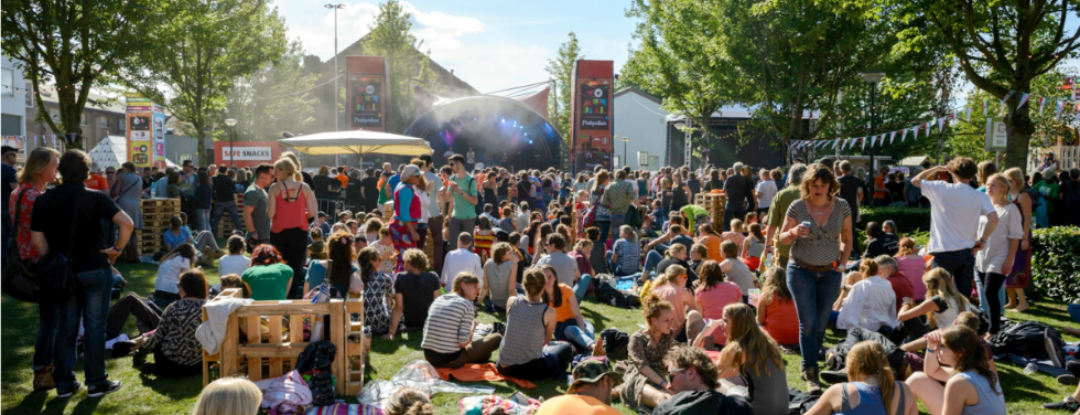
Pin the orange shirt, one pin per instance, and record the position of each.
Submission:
(577, 405)
(97, 182)
(564, 312)
(343, 179)
(712, 242)
(879, 181)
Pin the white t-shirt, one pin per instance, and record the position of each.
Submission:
(955, 209)
(233, 264)
(470, 157)
(168, 274)
(1010, 226)
(448, 153)
(766, 190)
(433, 208)
(461, 260)
(425, 206)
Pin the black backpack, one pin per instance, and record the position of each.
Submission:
(1026, 338)
(608, 294)
(616, 344)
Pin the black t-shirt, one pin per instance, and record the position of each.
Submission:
(352, 192)
(704, 402)
(695, 185)
(224, 188)
(8, 179)
(371, 187)
(307, 179)
(524, 187)
(714, 185)
(735, 188)
(417, 292)
(896, 188)
(849, 191)
(691, 274)
(322, 186)
(883, 244)
(146, 183)
(54, 212)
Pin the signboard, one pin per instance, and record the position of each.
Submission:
(367, 93)
(141, 130)
(246, 153)
(593, 124)
(643, 158)
(900, 169)
(996, 136)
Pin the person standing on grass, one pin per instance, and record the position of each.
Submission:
(777, 214)
(290, 206)
(39, 170)
(956, 209)
(224, 199)
(62, 216)
(255, 204)
(435, 221)
(462, 187)
(995, 261)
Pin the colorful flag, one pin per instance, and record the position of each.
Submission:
(967, 113)
(941, 124)
(834, 143)
(916, 136)
(1023, 99)
(984, 108)
(864, 143)
(1060, 106)
(1042, 104)
(1007, 96)
(892, 137)
(903, 136)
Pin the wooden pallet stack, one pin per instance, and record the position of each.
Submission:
(156, 215)
(714, 203)
(226, 227)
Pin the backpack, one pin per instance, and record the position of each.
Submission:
(608, 294)
(633, 217)
(616, 344)
(1026, 338)
(316, 361)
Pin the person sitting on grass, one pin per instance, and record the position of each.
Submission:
(414, 290)
(169, 270)
(916, 359)
(501, 273)
(643, 386)
(526, 351)
(737, 271)
(677, 254)
(229, 396)
(776, 309)
(943, 302)
(671, 287)
(409, 401)
(268, 275)
(874, 390)
(713, 294)
(711, 240)
(694, 384)
(972, 388)
(751, 364)
(179, 234)
(570, 326)
(448, 332)
(625, 256)
(590, 394)
(317, 248)
(176, 350)
(337, 268)
(753, 247)
(235, 262)
(871, 303)
(735, 235)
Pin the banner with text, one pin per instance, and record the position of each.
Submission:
(593, 125)
(247, 153)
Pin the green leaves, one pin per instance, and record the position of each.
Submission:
(1055, 266)
(561, 69)
(390, 37)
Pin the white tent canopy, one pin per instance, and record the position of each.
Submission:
(358, 142)
(110, 152)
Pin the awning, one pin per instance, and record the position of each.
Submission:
(358, 142)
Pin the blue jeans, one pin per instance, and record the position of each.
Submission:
(736, 211)
(91, 302)
(46, 336)
(1074, 312)
(582, 286)
(984, 304)
(219, 210)
(605, 231)
(961, 265)
(569, 331)
(814, 294)
(202, 219)
(652, 260)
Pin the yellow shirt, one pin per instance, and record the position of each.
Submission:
(575, 405)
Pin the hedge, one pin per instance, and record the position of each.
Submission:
(1055, 263)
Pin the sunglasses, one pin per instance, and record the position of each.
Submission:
(671, 373)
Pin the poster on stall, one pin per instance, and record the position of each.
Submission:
(367, 92)
(159, 133)
(591, 135)
(140, 140)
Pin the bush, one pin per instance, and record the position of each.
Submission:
(1055, 265)
(908, 220)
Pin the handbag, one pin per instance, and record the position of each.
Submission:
(19, 280)
(54, 268)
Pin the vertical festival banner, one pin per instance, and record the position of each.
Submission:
(158, 135)
(140, 140)
(367, 93)
(591, 109)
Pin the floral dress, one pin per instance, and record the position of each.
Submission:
(643, 352)
(377, 311)
(386, 266)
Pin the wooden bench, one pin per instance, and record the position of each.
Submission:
(277, 355)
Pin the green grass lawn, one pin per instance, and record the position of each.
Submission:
(143, 394)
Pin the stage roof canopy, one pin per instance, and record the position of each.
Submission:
(358, 142)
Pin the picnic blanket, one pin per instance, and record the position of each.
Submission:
(476, 372)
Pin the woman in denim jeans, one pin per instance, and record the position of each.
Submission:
(818, 227)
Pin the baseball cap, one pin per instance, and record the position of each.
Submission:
(592, 371)
(6, 149)
(409, 171)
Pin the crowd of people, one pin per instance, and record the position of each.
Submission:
(720, 302)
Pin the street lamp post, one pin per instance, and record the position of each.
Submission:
(624, 141)
(873, 78)
(685, 125)
(337, 94)
(231, 122)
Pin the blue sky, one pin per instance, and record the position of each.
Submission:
(491, 45)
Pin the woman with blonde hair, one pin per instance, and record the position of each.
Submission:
(671, 287)
(776, 309)
(644, 382)
(943, 303)
(972, 387)
(1020, 276)
(874, 390)
(229, 396)
(752, 361)
(995, 260)
(409, 401)
(291, 205)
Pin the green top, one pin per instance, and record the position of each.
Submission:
(691, 212)
(383, 198)
(268, 282)
(778, 212)
(462, 208)
(1048, 190)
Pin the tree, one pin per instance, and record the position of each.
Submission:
(74, 45)
(273, 99)
(391, 38)
(200, 50)
(1003, 46)
(561, 70)
(678, 58)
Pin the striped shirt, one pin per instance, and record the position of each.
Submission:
(822, 246)
(449, 323)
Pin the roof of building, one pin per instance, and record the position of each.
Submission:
(93, 100)
(643, 94)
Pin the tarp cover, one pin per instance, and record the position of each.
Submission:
(110, 152)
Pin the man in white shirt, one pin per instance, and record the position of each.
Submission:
(870, 305)
(955, 209)
(463, 260)
(765, 191)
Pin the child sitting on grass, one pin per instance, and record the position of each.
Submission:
(317, 249)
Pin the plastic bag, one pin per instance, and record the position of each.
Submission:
(419, 375)
(485, 405)
(287, 394)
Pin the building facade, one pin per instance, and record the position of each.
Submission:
(101, 117)
(638, 116)
(15, 99)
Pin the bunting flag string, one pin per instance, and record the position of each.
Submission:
(967, 113)
(903, 136)
(1023, 99)
(1042, 104)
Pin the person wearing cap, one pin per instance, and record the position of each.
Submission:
(590, 394)
(10, 184)
(407, 211)
(462, 186)
(692, 379)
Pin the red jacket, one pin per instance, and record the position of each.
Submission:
(901, 285)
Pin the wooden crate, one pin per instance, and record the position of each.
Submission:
(226, 226)
(156, 216)
(714, 203)
(278, 355)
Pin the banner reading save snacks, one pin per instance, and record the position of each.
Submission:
(246, 153)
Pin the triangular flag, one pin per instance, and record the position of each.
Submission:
(1042, 104)
(1007, 96)
(967, 114)
(864, 143)
(1060, 106)
(903, 135)
(1023, 99)
(834, 143)
(984, 108)
(892, 137)
(940, 124)
(916, 136)
(1077, 110)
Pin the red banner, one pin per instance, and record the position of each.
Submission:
(592, 89)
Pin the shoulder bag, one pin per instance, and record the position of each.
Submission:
(19, 280)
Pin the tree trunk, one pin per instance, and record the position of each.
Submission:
(1019, 128)
(200, 145)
